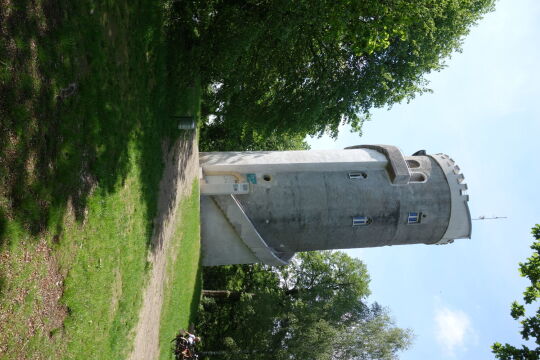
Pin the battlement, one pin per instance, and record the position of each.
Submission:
(459, 226)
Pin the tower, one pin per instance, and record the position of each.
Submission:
(265, 206)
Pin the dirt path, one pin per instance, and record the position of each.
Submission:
(181, 168)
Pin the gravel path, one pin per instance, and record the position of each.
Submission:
(181, 168)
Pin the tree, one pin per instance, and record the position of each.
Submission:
(329, 285)
(218, 137)
(306, 310)
(375, 338)
(530, 325)
(304, 67)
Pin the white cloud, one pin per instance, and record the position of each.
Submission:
(453, 329)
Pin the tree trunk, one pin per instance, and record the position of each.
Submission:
(224, 294)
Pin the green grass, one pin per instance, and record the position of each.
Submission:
(103, 288)
(183, 287)
(80, 168)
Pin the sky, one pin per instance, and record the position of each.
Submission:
(485, 114)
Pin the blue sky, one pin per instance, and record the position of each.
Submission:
(484, 113)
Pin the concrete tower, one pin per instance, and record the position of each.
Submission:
(265, 206)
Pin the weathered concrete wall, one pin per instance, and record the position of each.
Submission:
(306, 200)
(238, 242)
(221, 244)
(300, 211)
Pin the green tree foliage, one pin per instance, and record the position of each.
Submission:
(314, 308)
(530, 325)
(306, 66)
(374, 338)
(218, 137)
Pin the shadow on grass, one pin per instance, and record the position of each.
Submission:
(86, 90)
(3, 226)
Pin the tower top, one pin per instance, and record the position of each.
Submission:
(460, 225)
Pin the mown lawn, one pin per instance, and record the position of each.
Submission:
(86, 93)
(182, 289)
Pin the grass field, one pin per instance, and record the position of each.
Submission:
(183, 286)
(86, 93)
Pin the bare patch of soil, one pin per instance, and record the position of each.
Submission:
(30, 305)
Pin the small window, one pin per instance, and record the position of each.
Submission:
(418, 177)
(357, 175)
(414, 217)
(413, 164)
(361, 220)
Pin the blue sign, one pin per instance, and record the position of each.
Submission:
(251, 178)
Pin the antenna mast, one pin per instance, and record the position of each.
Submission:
(490, 218)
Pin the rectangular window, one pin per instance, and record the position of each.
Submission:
(361, 220)
(357, 175)
(414, 217)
